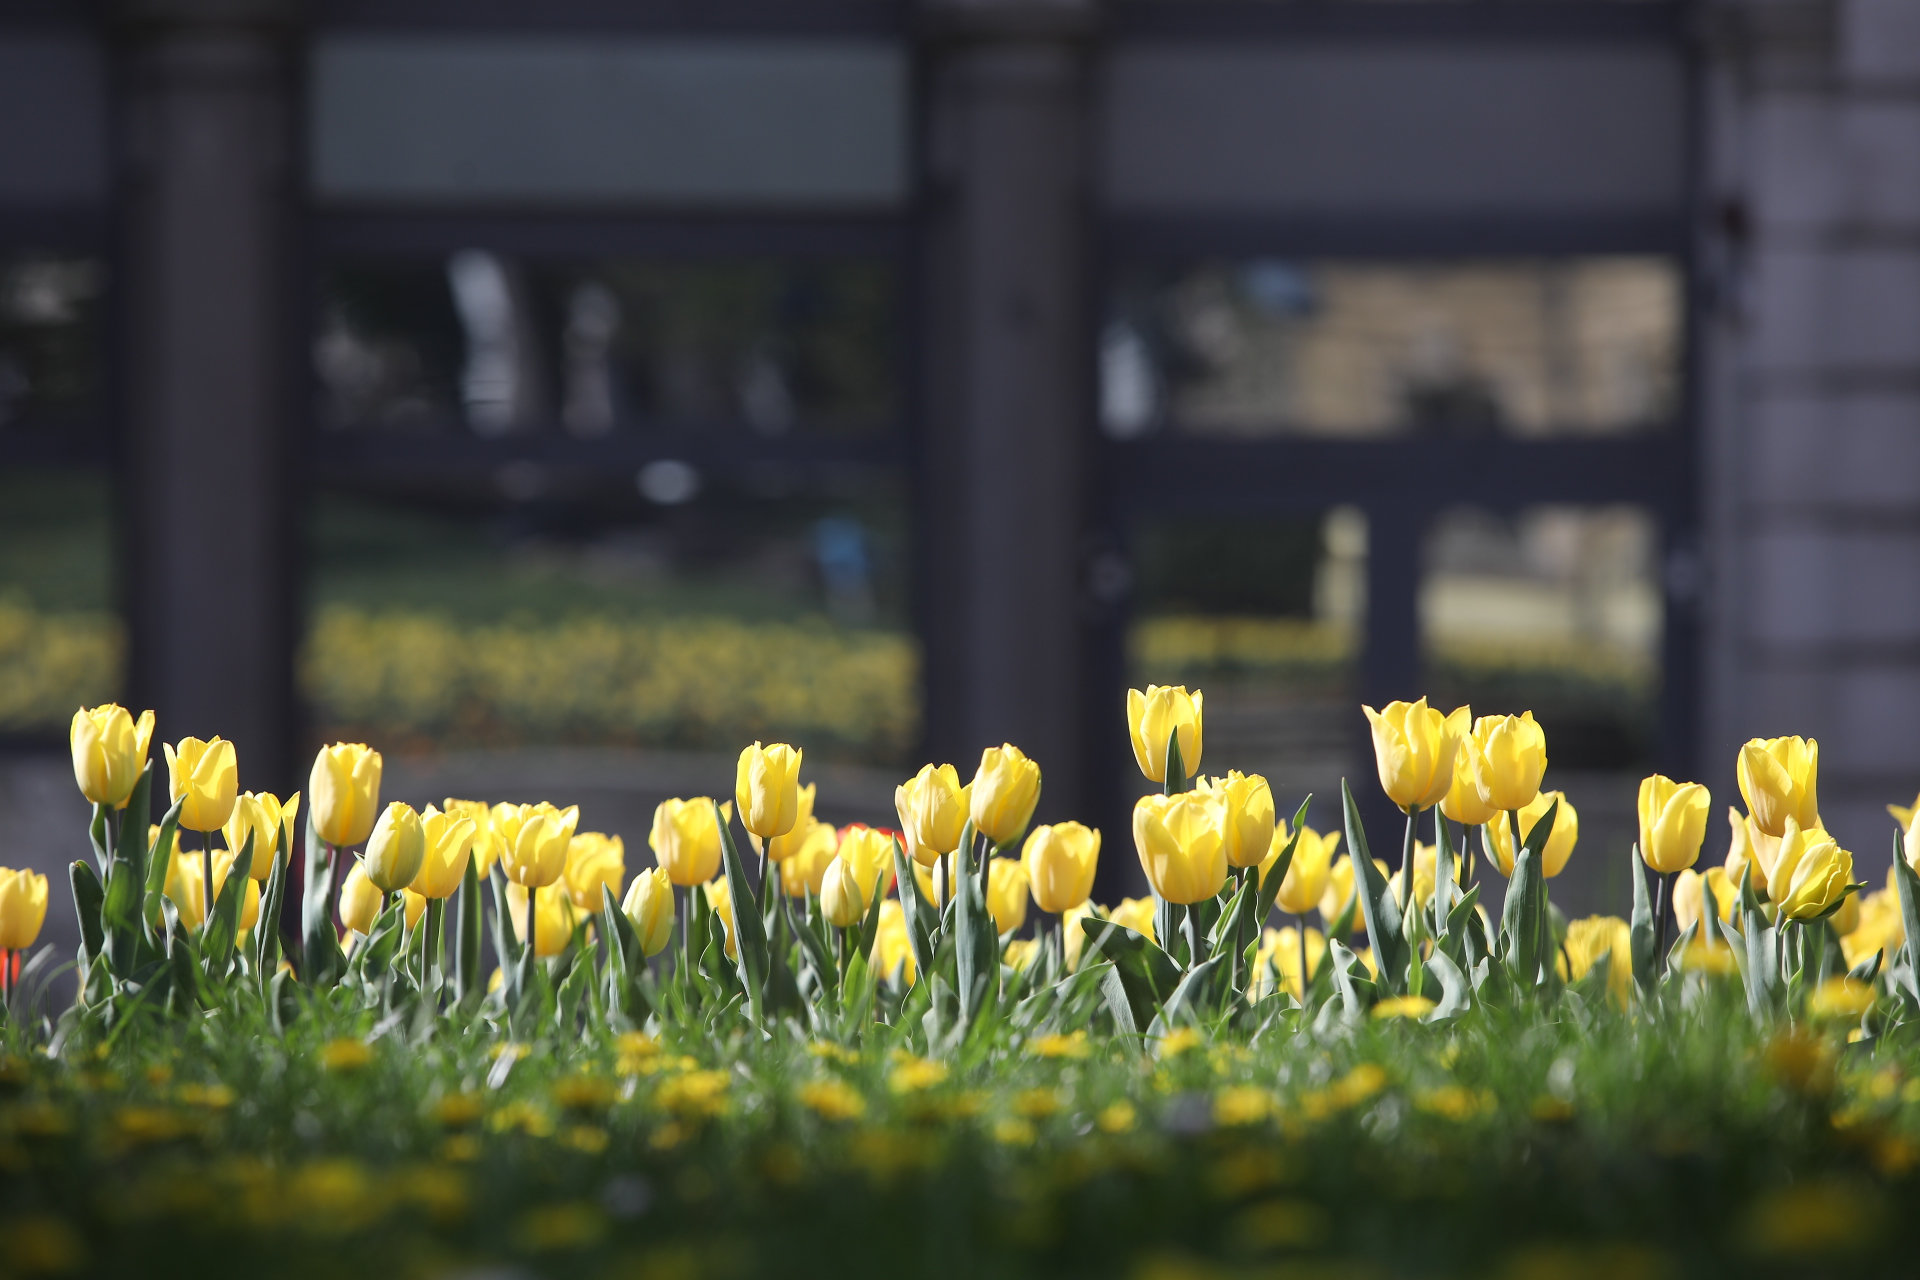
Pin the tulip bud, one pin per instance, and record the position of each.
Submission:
(868, 852)
(649, 908)
(1596, 938)
(593, 860)
(1180, 844)
(1509, 757)
(534, 839)
(261, 815)
(841, 897)
(767, 789)
(23, 907)
(186, 887)
(359, 900)
(109, 752)
(933, 811)
(1673, 822)
(554, 920)
(1310, 872)
(1497, 836)
(1462, 803)
(447, 840)
(1413, 748)
(1155, 716)
(1003, 793)
(1006, 894)
(803, 873)
(686, 840)
(720, 902)
(1060, 861)
(1073, 934)
(892, 949)
(1812, 873)
(207, 775)
(1778, 778)
(1281, 949)
(344, 792)
(781, 848)
(1743, 855)
(1137, 914)
(1690, 896)
(1246, 816)
(396, 848)
(485, 847)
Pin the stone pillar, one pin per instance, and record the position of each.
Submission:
(208, 150)
(1009, 370)
(1813, 380)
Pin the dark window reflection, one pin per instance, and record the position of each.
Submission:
(49, 338)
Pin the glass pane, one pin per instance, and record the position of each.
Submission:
(1557, 610)
(1262, 347)
(49, 339)
(61, 643)
(1266, 615)
(499, 345)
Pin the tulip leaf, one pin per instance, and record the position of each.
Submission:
(977, 942)
(266, 930)
(870, 924)
(88, 897)
(1146, 973)
(1340, 965)
(813, 947)
(160, 859)
(1186, 996)
(321, 961)
(1640, 937)
(223, 925)
(1868, 969)
(466, 930)
(1271, 880)
(1456, 995)
(97, 835)
(1177, 780)
(749, 935)
(1113, 990)
(1907, 885)
(506, 944)
(1377, 904)
(1762, 972)
(922, 923)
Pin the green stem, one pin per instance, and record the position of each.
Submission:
(1407, 906)
(206, 880)
(436, 943)
(1300, 923)
(1194, 955)
(1660, 883)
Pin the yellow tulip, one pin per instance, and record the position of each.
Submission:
(109, 752)
(186, 887)
(485, 848)
(1811, 874)
(261, 815)
(1154, 717)
(1413, 749)
(554, 917)
(842, 898)
(1596, 938)
(344, 790)
(803, 873)
(1075, 937)
(1743, 853)
(415, 906)
(1778, 778)
(782, 847)
(1673, 822)
(1341, 890)
(686, 840)
(1006, 894)
(1903, 814)
(594, 859)
(23, 907)
(1847, 918)
(1003, 793)
(1497, 836)
(1180, 844)
(1879, 928)
(1463, 803)
(1281, 949)
(892, 948)
(1310, 872)
(649, 908)
(1246, 816)
(1060, 862)
(359, 900)
(1426, 866)
(396, 848)
(1135, 914)
(1508, 758)
(207, 774)
(720, 901)
(1690, 900)
(868, 853)
(933, 810)
(446, 848)
(767, 788)
(534, 839)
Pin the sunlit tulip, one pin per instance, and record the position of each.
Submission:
(594, 859)
(1743, 854)
(554, 919)
(1135, 914)
(186, 888)
(1673, 822)
(1463, 803)
(396, 848)
(485, 847)
(447, 846)
(1779, 779)
(109, 752)
(1020, 954)
(720, 902)
(1180, 845)
(1003, 793)
(1074, 937)
(782, 847)
(207, 775)
(1246, 816)
(1689, 896)
(1497, 836)
(1426, 865)
(1811, 874)
(686, 840)
(1060, 860)
(1413, 749)
(933, 809)
(23, 907)
(534, 839)
(1341, 891)
(648, 907)
(803, 873)
(1880, 927)
(1596, 938)
(1154, 717)
(1847, 918)
(344, 790)
(842, 899)
(1508, 758)
(414, 907)
(261, 815)
(868, 853)
(1006, 894)
(767, 788)
(359, 900)
(892, 948)
(1310, 872)
(1281, 949)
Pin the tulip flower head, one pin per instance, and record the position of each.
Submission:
(447, 846)
(649, 908)
(261, 815)
(1003, 793)
(485, 848)
(534, 839)
(892, 948)
(767, 789)
(1497, 836)
(1006, 894)
(720, 902)
(1463, 803)
(359, 900)
(23, 907)
(1673, 822)
(344, 792)
(1598, 938)
(1180, 844)
(1135, 914)
(782, 847)
(396, 848)
(186, 888)
(933, 809)
(1812, 873)
(868, 853)
(1779, 780)
(1280, 948)
(686, 839)
(1246, 816)
(1157, 715)
(109, 752)
(1060, 860)
(553, 920)
(804, 872)
(206, 775)
(594, 859)
(1509, 757)
(1073, 935)
(1690, 896)
(1744, 853)
(842, 899)
(1413, 749)
(1310, 872)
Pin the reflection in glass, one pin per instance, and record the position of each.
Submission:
(1521, 347)
(49, 337)
(502, 345)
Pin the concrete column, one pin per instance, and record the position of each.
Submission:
(1814, 399)
(1009, 372)
(208, 155)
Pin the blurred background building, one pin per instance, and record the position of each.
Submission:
(559, 394)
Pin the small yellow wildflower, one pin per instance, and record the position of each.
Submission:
(345, 1055)
(1403, 1007)
(1242, 1104)
(1071, 1045)
(914, 1074)
(832, 1099)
